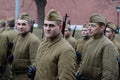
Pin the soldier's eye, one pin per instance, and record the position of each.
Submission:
(92, 25)
(51, 25)
(23, 24)
(107, 31)
(45, 25)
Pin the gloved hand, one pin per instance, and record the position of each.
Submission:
(77, 75)
(78, 54)
(10, 45)
(10, 58)
(31, 71)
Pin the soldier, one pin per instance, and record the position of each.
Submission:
(34, 30)
(69, 37)
(99, 61)
(9, 35)
(24, 48)
(81, 42)
(3, 54)
(55, 56)
(86, 37)
(110, 33)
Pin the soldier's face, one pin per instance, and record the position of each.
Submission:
(95, 29)
(67, 32)
(51, 29)
(85, 32)
(22, 26)
(109, 33)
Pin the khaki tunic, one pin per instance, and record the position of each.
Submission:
(9, 34)
(3, 54)
(72, 41)
(100, 60)
(55, 60)
(24, 51)
(117, 45)
(80, 45)
(3, 50)
(79, 48)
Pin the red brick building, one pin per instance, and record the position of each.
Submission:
(78, 10)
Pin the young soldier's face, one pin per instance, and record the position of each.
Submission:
(85, 32)
(22, 26)
(67, 32)
(51, 29)
(95, 29)
(109, 33)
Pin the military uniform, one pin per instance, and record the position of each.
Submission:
(9, 36)
(117, 45)
(68, 37)
(24, 51)
(3, 54)
(112, 38)
(97, 50)
(55, 60)
(72, 41)
(80, 44)
(99, 61)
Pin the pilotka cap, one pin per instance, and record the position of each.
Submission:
(111, 25)
(53, 15)
(96, 17)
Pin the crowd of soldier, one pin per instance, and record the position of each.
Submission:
(24, 56)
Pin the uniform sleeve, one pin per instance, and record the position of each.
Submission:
(33, 49)
(110, 63)
(3, 49)
(66, 65)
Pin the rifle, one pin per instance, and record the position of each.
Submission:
(64, 24)
(74, 31)
(32, 23)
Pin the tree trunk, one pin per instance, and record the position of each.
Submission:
(40, 4)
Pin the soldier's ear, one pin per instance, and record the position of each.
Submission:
(102, 27)
(113, 32)
(60, 26)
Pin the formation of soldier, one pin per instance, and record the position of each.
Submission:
(24, 56)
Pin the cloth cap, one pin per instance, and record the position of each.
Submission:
(2, 22)
(24, 14)
(53, 15)
(25, 18)
(96, 17)
(11, 20)
(111, 25)
(86, 25)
